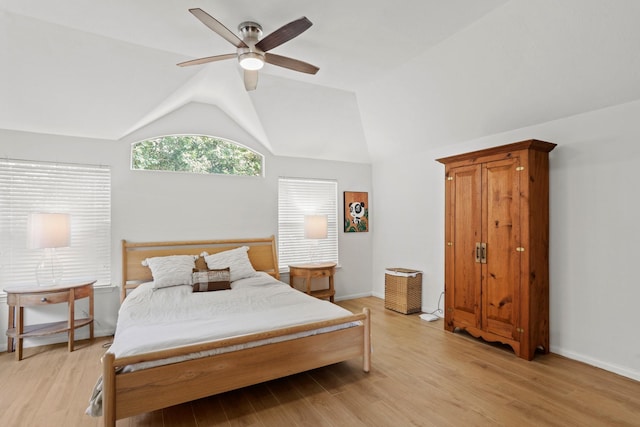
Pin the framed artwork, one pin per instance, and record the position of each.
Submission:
(356, 211)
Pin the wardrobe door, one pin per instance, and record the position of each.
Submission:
(501, 232)
(463, 272)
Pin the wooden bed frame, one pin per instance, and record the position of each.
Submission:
(128, 394)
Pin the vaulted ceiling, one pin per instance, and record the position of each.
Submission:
(418, 72)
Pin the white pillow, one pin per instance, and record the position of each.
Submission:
(172, 270)
(236, 259)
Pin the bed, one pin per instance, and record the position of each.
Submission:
(138, 381)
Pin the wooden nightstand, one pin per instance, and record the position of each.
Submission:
(312, 271)
(26, 296)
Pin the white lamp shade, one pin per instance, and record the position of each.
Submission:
(315, 226)
(49, 230)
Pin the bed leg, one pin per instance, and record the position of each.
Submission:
(367, 341)
(108, 390)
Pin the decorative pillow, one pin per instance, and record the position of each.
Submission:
(172, 270)
(211, 280)
(236, 259)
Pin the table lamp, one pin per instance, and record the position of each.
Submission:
(49, 231)
(315, 228)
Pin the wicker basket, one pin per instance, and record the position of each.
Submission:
(403, 290)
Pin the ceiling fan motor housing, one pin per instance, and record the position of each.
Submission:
(250, 58)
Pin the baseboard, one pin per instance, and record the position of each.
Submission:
(103, 332)
(57, 339)
(616, 369)
(353, 296)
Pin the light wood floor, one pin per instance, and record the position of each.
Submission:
(421, 376)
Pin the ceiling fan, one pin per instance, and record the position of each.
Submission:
(252, 52)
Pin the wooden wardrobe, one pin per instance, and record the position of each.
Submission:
(497, 245)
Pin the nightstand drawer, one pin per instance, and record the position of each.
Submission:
(321, 273)
(38, 299)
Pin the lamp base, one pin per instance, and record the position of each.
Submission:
(49, 270)
(313, 251)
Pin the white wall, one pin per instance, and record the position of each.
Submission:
(148, 206)
(595, 206)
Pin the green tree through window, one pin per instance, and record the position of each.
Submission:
(195, 154)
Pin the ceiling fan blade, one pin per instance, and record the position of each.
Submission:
(284, 34)
(207, 59)
(250, 79)
(216, 26)
(290, 63)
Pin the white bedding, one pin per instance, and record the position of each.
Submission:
(151, 320)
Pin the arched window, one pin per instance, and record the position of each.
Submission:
(196, 154)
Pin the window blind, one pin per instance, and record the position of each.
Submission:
(82, 191)
(298, 197)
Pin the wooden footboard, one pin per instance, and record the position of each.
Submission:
(128, 394)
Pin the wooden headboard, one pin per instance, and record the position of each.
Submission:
(262, 254)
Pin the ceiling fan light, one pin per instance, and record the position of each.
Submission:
(251, 61)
